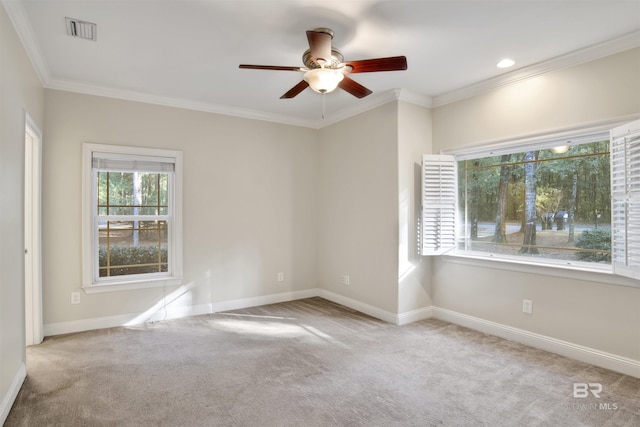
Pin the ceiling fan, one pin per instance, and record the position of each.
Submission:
(325, 69)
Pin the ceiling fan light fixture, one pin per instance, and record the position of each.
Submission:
(323, 80)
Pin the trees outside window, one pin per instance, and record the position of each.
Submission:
(539, 203)
(133, 222)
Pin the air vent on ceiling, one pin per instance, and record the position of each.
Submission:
(83, 29)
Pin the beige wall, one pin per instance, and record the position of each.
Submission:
(249, 202)
(602, 316)
(259, 198)
(587, 93)
(20, 93)
(358, 207)
(414, 270)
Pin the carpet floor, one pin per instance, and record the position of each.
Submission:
(310, 363)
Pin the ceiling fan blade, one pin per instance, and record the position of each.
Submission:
(295, 90)
(393, 63)
(320, 45)
(354, 88)
(269, 67)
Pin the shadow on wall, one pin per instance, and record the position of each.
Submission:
(234, 274)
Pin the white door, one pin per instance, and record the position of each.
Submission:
(32, 233)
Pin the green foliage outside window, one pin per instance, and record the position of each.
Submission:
(599, 243)
(132, 260)
(134, 246)
(119, 193)
(538, 203)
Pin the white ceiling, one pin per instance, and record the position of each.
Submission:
(186, 53)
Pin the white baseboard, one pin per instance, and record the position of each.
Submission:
(414, 315)
(574, 351)
(264, 300)
(359, 306)
(160, 312)
(60, 328)
(387, 316)
(12, 393)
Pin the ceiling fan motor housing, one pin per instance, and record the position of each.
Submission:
(310, 63)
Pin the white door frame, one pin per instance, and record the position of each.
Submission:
(34, 331)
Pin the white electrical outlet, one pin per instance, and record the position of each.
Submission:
(281, 276)
(527, 306)
(75, 297)
(345, 280)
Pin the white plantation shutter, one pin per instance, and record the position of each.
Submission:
(625, 199)
(439, 204)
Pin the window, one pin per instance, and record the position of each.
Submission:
(132, 224)
(538, 203)
(545, 201)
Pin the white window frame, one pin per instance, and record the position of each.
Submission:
(91, 282)
(617, 271)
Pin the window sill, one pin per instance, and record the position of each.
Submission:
(576, 271)
(97, 288)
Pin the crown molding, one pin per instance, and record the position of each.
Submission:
(610, 47)
(19, 19)
(363, 105)
(129, 95)
(415, 98)
(374, 101)
(360, 107)
(576, 57)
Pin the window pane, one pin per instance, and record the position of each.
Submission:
(132, 247)
(132, 193)
(539, 204)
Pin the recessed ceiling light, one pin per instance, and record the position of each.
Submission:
(505, 63)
